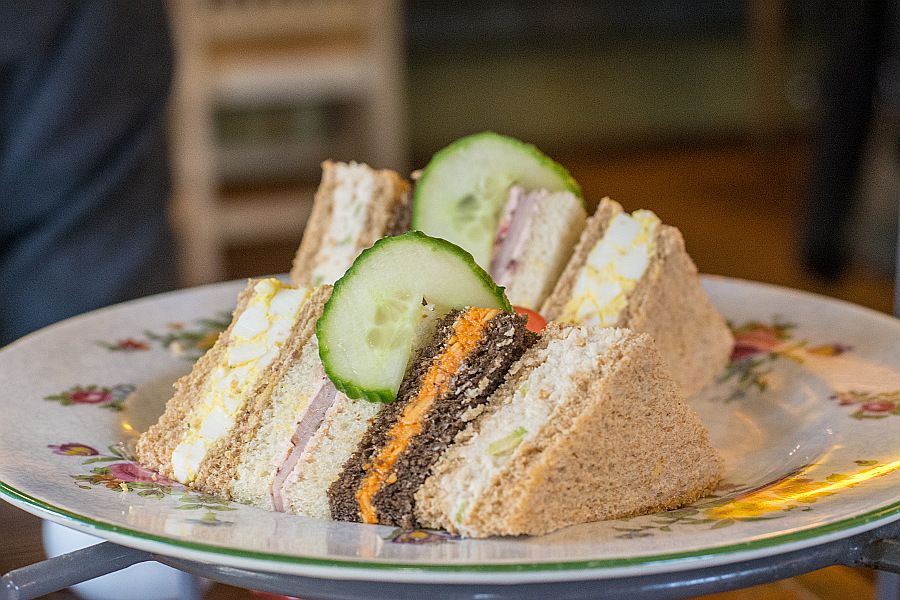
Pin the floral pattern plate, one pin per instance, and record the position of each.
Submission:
(807, 415)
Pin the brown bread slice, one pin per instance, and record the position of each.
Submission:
(155, 446)
(481, 372)
(387, 213)
(668, 303)
(623, 443)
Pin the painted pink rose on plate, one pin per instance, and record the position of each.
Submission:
(871, 404)
(757, 339)
(879, 406)
(135, 473)
(112, 398)
(88, 396)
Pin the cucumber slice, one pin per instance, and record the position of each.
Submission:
(463, 189)
(384, 303)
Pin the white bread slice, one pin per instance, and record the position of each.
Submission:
(354, 207)
(271, 419)
(306, 488)
(587, 426)
(668, 303)
(554, 226)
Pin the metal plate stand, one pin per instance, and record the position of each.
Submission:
(877, 549)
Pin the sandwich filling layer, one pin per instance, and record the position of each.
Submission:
(614, 267)
(352, 197)
(306, 428)
(305, 489)
(467, 332)
(444, 388)
(255, 341)
(550, 375)
(512, 233)
(537, 233)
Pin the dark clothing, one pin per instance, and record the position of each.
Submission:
(84, 181)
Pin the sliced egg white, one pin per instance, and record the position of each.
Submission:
(256, 339)
(613, 268)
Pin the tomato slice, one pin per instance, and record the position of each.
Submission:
(536, 322)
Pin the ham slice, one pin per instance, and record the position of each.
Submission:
(308, 425)
(512, 232)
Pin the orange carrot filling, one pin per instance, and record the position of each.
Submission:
(467, 332)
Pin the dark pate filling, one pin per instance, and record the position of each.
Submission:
(503, 342)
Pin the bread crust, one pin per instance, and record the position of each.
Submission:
(668, 303)
(387, 214)
(629, 444)
(155, 446)
(316, 226)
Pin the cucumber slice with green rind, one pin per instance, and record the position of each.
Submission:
(369, 327)
(462, 191)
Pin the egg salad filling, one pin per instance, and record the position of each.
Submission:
(256, 339)
(613, 269)
(353, 195)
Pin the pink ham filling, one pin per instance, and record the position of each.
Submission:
(512, 233)
(308, 425)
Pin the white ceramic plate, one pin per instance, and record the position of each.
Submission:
(807, 416)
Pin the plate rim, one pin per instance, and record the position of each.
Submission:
(365, 569)
(669, 561)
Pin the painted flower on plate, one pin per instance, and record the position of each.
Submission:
(191, 342)
(112, 398)
(879, 406)
(90, 396)
(871, 405)
(829, 349)
(758, 346)
(125, 345)
(73, 449)
(134, 473)
(756, 338)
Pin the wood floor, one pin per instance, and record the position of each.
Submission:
(737, 208)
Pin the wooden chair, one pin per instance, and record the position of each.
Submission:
(238, 54)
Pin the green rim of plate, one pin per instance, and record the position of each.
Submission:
(608, 563)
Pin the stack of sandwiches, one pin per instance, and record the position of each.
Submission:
(496, 430)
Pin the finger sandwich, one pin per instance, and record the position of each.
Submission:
(588, 425)
(445, 387)
(257, 420)
(632, 271)
(354, 206)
